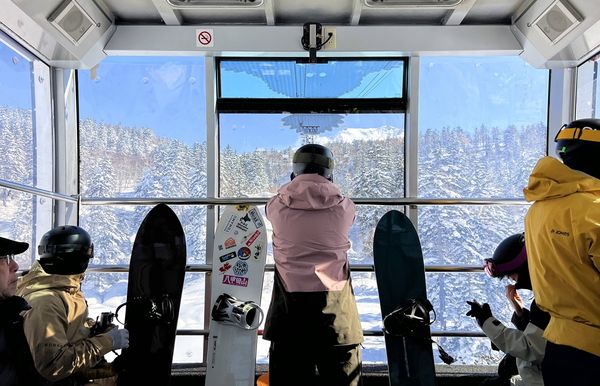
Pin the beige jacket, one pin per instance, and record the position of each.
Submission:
(57, 327)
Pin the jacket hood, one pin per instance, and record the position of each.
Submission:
(310, 192)
(37, 279)
(551, 178)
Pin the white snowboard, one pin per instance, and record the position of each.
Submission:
(239, 257)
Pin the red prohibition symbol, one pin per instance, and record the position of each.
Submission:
(204, 38)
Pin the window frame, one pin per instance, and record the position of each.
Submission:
(42, 189)
(311, 105)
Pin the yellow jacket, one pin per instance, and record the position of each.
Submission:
(562, 234)
(57, 327)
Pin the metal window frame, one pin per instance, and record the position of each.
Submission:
(311, 105)
(42, 130)
(407, 105)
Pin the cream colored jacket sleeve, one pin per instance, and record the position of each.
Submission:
(59, 340)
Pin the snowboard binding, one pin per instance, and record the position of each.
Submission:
(412, 320)
(229, 310)
(160, 310)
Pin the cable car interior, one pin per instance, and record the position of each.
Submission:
(437, 108)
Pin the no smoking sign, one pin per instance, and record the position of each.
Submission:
(205, 38)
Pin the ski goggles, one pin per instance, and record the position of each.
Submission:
(494, 269)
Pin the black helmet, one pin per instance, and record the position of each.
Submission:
(65, 250)
(578, 145)
(313, 159)
(510, 257)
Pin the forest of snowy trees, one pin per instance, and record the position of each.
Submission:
(453, 162)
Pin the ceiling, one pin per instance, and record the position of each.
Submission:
(80, 33)
(298, 12)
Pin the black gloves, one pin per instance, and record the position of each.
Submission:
(481, 312)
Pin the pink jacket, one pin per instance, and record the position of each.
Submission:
(311, 220)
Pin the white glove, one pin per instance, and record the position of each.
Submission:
(120, 338)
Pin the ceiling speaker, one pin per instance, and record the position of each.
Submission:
(557, 20)
(72, 21)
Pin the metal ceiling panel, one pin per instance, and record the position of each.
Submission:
(315, 11)
(397, 16)
(492, 11)
(214, 3)
(247, 16)
(412, 3)
(295, 12)
(134, 11)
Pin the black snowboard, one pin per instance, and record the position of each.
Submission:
(156, 274)
(401, 276)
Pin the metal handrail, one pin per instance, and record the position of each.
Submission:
(37, 191)
(263, 200)
(249, 200)
(353, 267)
(435, 333)
(124, 268)
(270, 268)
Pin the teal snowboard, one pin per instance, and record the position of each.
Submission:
(401, 276)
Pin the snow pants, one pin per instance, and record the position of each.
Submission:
(297, 365)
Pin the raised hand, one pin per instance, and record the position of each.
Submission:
(479, 311)
(515, 300)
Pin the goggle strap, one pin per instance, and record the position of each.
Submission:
(582, 134)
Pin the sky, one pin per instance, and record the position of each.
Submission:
(15, 79)
(167, 94)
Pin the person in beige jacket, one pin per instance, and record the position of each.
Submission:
(562, 232)
(57, 327)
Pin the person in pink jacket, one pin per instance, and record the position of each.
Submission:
(313, 321)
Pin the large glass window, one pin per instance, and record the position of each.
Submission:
(354, 107)
(25, 145)
(142, 133)
(482, 127)
(588, 90)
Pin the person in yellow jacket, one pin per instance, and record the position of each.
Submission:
(562, 231)
(57, 327)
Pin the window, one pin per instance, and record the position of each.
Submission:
(482, 127)
(346, 79)
(26, 146)
(267, 109)
(142, 134)
(588, 90)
